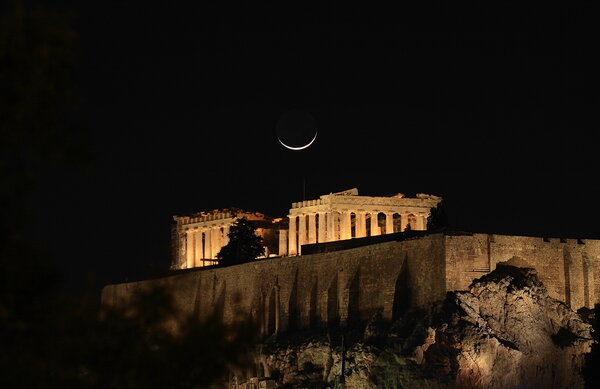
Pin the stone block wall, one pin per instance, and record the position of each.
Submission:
(308, 291)
(568, 267)
(341, 287)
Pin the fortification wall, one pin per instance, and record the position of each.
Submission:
(311, 290)
(568, 267)
(351, 285)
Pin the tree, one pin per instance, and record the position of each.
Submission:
(48, 339)
(244, 245)
(437, 220)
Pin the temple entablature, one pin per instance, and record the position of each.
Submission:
(218, 216)
(351, 200)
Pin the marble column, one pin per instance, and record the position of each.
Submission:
(322, 228)
(182, 250)
(421, 222)
(292, 249)
(301, 232)
(330, 228)
(403, 221)
(189, 250)
(216, 241)
(312, 228)
(342, 225)
(389, 223)
(198, 248)
(337, 217)
(207, 244)
(346, 230)
(374, 224)
(283, 243)
(361, 224)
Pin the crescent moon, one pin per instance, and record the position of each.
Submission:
(298, 148)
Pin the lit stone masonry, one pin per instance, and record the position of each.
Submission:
(335, 288)
(200, 237)
(346, 215)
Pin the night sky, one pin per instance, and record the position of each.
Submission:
(494, 109)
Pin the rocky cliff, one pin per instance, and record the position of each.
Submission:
(504, 332)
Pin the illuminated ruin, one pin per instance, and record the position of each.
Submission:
(333, 217)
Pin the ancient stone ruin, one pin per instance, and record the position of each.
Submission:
(420, 308)
(197, 238)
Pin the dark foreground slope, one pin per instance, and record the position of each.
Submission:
(504, 332)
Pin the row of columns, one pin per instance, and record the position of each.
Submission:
(338, 226)
(204, 244)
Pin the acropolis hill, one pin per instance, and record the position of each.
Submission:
(343, 257)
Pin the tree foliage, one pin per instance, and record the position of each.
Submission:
(244, 245)
(437, 219)
(49, 340)
(71, 344)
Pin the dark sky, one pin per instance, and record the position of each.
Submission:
(494, 109)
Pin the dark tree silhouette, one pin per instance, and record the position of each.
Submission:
(49, 340)
(244, 245)
(438, 219)
(134, 348)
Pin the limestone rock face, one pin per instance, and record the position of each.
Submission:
(504, 332)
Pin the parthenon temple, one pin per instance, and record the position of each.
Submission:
(336, 216)
(346, 215)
